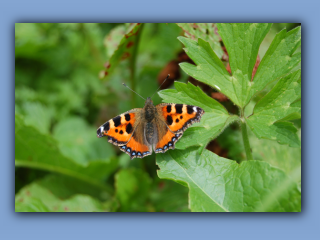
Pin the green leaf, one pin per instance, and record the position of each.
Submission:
(124, 49)
(270, 200)
(37, 198)
(77, 141)
(219, 185)
(280, 59)
(242, 42)
(209, 69)
(114, 38)
(33, 205)
(35, 150)
(282, 103)
(38, 116)
(215, 119)
(132, 187)
(206, 31)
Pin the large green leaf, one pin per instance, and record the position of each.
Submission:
(219, 185)
(215, 119)
(132, 187)
(37, 198)
(242, 42)
(124, 49)
(206, 31)
(271, 114)
(39, 151)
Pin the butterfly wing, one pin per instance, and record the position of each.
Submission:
(120, 128)
(137, 146)
(126, 132)
(174, 119)
(179, 117)
(164, 138)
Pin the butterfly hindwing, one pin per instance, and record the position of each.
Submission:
(165, 138)
(179, 117)
(137, 146)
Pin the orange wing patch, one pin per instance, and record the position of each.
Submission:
(179, 117)
(119, 129)
(136, 149)
(167, 141)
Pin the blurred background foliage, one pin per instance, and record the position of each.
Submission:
(59, 95)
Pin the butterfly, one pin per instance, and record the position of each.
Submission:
(139, 131)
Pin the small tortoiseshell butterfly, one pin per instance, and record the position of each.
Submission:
(140, 130)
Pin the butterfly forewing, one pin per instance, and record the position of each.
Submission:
(179, 117)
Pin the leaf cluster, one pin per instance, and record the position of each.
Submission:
(218, 184)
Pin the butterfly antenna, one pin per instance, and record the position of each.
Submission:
(161, 84)
(133, 91)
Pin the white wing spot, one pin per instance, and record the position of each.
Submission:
(194, 109)
(101, 129)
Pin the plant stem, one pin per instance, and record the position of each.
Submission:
(245, 138)
(133, 66)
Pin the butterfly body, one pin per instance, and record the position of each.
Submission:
(141, 130)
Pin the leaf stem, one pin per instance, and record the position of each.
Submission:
(133, 66)
(245, 137)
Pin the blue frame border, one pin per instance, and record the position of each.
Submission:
(164, 225)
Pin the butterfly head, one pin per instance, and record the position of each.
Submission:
(148, 101)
